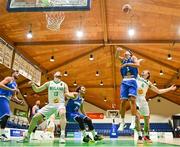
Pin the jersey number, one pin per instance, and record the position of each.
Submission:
(55, 93)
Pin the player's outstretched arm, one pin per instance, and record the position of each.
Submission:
(161, 91)
(69, 95)
(41, 88)
(6, 81)
(117, 55)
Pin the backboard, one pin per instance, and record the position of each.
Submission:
(47, 5)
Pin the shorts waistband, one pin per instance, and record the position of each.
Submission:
(127, 79)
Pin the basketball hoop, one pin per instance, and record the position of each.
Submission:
(54, 20)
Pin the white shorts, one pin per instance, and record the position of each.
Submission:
(144, 108)
(50, 109)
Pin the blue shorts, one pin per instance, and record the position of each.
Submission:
(4, 107)
(128, 88)
(71, 116)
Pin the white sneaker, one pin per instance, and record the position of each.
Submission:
(132, 126)
(62, 139)
(121, 126)
(4, 138)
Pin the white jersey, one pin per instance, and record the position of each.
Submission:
(143, 86)
(56, 92)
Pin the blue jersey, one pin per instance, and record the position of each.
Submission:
(8, 93)
(73, 105)
(129, 70)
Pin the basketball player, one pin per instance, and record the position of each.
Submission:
(129, 72)
(35, 110)
(143, 108)
(57, 90)
(8, 91)
(73, 106)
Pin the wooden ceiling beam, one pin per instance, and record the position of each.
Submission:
(97, 42)
(74, 59)
(169, 99)
(173, 79)
(64, 43)
(104, 19)
(150, 58)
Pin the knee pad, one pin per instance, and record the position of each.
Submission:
(88, 121)
(80, 122)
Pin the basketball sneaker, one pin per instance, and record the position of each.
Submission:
(121, 126)
(87, 139)
(4, 138)
(98, 138)
(62, 139)
(147, 139)
(26, 139)
(140, 140)
(132, 126)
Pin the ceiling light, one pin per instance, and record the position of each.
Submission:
(169, 57)
(91, 57)
(75, 84)
(105, 99)
(52, 59)
(65, 74)
(29, 35)
(154, 83)
(161, 73)
(101, 83)
(79, 33)
(97, 73)
(131, 32)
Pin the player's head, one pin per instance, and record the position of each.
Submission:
(146, 74)
(15, 74)
(81, 89)
(128, 54)
(38, 102)
(57, 76)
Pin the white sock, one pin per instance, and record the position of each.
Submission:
(93, 133)
(62, 133)
(133, 119)
(84, 133)
(146, 133)
(139, 133)
(121, 120)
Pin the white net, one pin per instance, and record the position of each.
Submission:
(54, 20)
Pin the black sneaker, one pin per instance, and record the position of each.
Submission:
(87, 139)
(140, 140)
(98, 138)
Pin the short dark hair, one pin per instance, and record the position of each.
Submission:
(78, 88)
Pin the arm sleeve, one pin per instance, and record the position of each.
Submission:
(41, 88)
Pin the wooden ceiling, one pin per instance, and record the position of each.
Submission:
(157, 25)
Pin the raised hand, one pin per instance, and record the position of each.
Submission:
(173, 87)
(119, 49)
